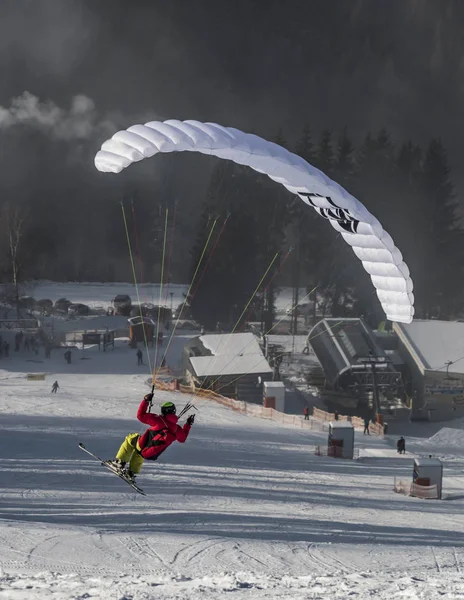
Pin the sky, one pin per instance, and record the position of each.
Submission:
(79, 70)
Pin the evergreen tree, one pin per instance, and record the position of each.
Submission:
(445, 256)
(304, 146)
(324, 157)
(344, 170)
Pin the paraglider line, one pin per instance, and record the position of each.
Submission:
(209, 257)
(161, 289)
(171, 243)
(278, 356)
(188, 291)
(267, 333)
(134, 273)
(240, 317)
(277, 271)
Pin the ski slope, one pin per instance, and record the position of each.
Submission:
(244, 506)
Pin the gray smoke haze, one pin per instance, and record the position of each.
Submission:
(78, 122)
(94, 67)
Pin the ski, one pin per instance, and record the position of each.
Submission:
(112, 469)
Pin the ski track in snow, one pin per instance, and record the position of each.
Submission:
(244, 506)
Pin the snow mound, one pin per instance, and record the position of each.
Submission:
(448, 436)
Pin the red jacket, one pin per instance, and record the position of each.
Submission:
(163, 431)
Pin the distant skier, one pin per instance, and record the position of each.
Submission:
(55, 387)
(139, 357)
(366, 426)
(306, 413)
(163, 431)
(401, 445)
(336, 415)
(67, 356)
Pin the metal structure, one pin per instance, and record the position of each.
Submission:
(28, 325)
(353, 361)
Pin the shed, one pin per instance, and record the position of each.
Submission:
(276, 390)
(141, 329)
(341, 439)
(427, 472)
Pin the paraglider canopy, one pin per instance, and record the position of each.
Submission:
(361, 230)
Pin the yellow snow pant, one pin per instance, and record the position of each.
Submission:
(128, 452)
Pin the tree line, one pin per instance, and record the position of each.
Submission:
(407, 187)
(70, 227)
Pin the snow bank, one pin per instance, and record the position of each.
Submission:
(52, 586)
(448, 436)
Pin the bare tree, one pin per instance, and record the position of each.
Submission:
(14, 222)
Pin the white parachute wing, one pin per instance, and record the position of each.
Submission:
(361, 230)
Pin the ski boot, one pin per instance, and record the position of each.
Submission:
(130, 475)
(117, 464)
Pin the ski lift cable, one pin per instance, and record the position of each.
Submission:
(161, 289)
(134, 273)
(188, 293)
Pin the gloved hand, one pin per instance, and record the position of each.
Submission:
(148, 397)
(191, 419)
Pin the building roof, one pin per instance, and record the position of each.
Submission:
(341, 425)
(232, 354)
(231, 343)
(229, 364)
(434, 343)
(428, 462)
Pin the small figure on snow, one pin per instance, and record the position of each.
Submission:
(306, 413)
(336, 415)
(366, 426)
(139, 357)
(55, 387)
(67, 356)
(401, 445)
(163, 431)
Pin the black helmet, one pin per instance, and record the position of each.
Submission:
(168, 408)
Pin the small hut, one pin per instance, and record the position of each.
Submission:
(141, 329)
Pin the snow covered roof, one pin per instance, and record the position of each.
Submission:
(341, 425)
(434, 343)
(428, 462)
(232, 354)
(229, 364)
(138, 321)
(231, 343)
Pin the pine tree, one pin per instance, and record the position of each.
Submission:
(304, 146)
(324, 158)
(445, 259)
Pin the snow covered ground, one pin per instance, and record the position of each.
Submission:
(98, 294)
(244, 506)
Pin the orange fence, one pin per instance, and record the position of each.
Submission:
(317, 423)
(255, 410)
(357, 422)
